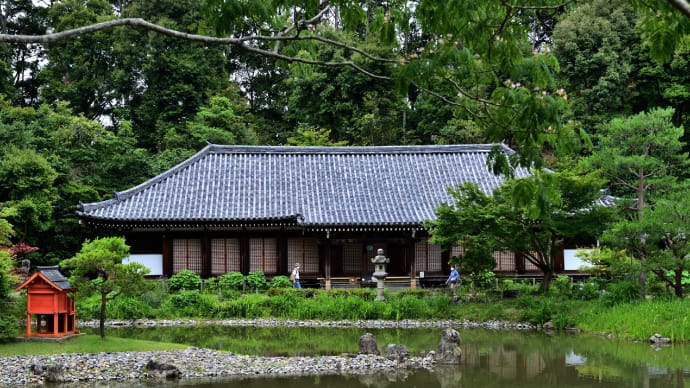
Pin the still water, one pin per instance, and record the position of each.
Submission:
(490, 358)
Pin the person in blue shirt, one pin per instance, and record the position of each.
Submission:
(453, 279)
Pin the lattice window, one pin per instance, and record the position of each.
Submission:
(225, 255)
(505, 261)
(263, 255)
(457, 251)
(529, 267)
(304, 251)
(187, 255)
(352, 258)
(427, 257)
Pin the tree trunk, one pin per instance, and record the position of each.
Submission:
(642, 279)
(101, 325)
(546, 282)
(640, 207)
(678, 283)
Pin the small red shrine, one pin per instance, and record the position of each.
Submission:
(49, 303)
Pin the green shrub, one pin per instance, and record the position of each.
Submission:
(256, 280)
(129, 308)
(484, 279)
(210, 285)
(587, 290)
(620, 292)
(156, 295)
(536, 310)
(231, 281)
(438, 305)
(88, 307)
(191, 304)
(184, 280)
(562, 286)
(416, 292)
(10, 316)
(245, 306)
(280, 281)
(368, 294)
(185, 299)
(408, 307)
(284, 305)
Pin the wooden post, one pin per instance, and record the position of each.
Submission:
(28, 324)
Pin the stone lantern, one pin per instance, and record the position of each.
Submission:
(380, 273)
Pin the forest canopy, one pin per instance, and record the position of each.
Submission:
(99, 95)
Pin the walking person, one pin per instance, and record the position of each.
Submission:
(294, 276)
(453, 279)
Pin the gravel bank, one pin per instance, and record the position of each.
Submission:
(91, 369)
(192, 363)
(364, 324)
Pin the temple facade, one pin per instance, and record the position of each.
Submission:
(266, 208)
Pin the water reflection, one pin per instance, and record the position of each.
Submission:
(490, 358)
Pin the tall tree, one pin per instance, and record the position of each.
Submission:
(641, 156)
(524, 218)
(595, 46)
(8, 320)
(667, 223)
(27, 193)
(81, 71)
(477, 57)
(22, 62)
(98, 268)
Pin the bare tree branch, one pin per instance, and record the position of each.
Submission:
(681, 5)
(535, 7)
(240, 43)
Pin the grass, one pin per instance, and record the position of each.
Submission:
(85, 343)
(640, 320)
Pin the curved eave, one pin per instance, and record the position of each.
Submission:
(200, 223)
(368, 227)
(253, 223)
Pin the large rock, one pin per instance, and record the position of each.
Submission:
(397, 353)
(449, 351)
(657, 339)
(367, 344)
(162, 370)
(51, 373)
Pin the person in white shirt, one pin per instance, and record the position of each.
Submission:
(294, 276)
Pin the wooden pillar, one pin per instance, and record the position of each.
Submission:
(56, 324)
(167, 255)
(283, 265)
(244, 253)
(409, 252)
(519, 263)
(327, 264)
(28, 324)
(205, 255)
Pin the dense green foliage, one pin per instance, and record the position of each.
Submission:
(98, 269)
(604, 80)
(83, 117)
(529, 216)
(184, 280)
(595, 305)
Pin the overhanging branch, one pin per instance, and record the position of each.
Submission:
(236, 42)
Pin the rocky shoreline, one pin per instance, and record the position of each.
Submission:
(364, 324)
(131, 367)
(91, 369)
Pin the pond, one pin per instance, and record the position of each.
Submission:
(491, 358)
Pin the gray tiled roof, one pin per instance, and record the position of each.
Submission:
(53, 274)
(312, 186)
